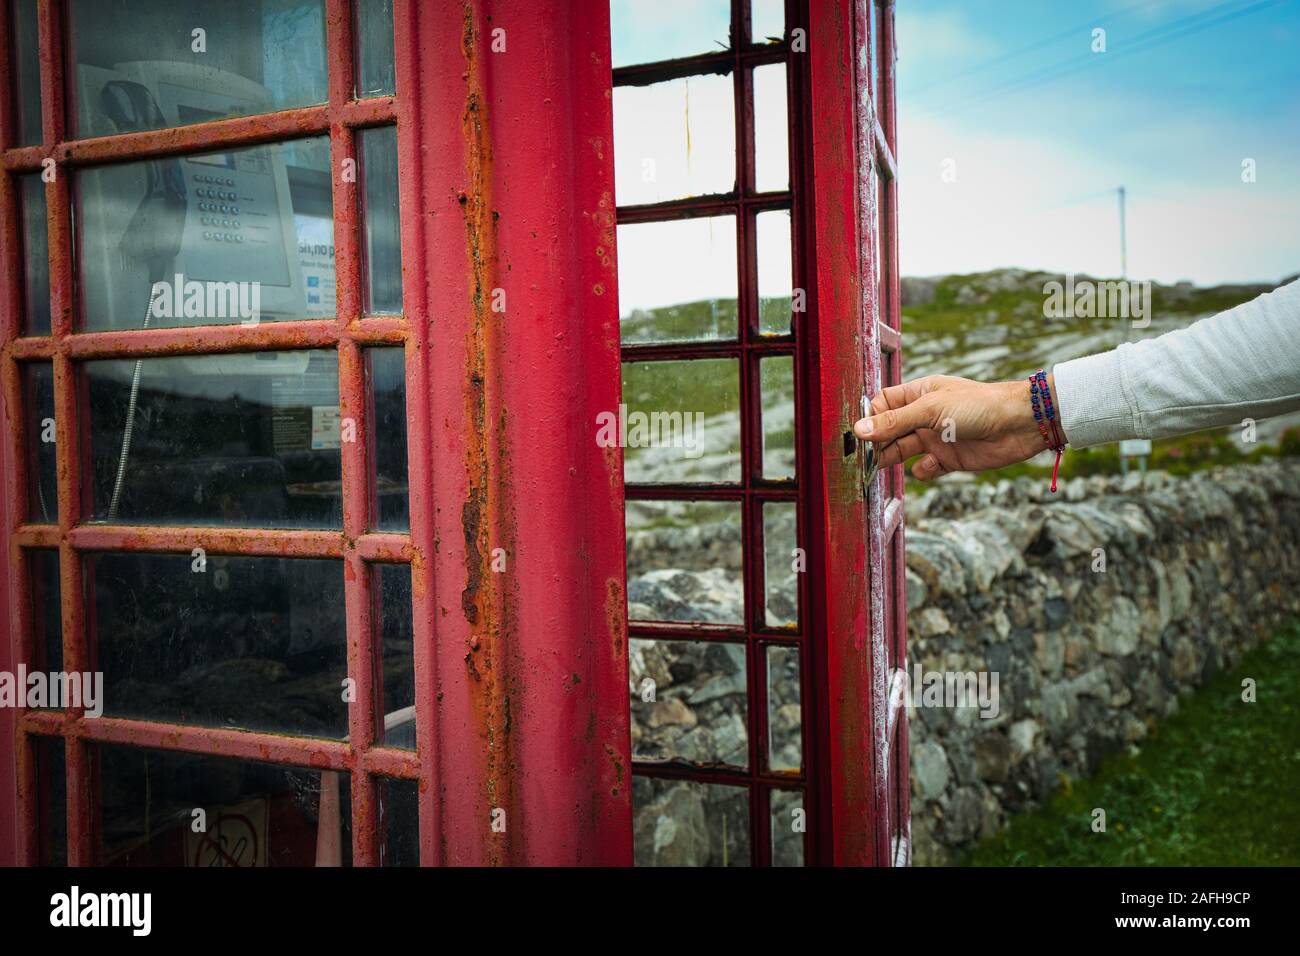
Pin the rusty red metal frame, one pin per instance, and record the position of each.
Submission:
(355, 545)
(890, 330)
(520, 696)
(512, 152)
(852, 601)
(17, 762)
(753, 491)
(506, 167)
(858, 608)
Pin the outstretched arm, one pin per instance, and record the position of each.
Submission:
(1241, 363)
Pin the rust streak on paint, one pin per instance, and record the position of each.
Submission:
(616, 762)
(486, 521)
(616, 615)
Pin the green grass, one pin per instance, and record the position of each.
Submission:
(1216, 784)
(1021, 306)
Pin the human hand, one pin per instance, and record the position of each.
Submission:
(987, 425)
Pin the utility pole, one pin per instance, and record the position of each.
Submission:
(1123, 241)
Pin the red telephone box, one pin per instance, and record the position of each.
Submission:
(312, 314)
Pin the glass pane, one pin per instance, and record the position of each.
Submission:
(167, 808)
(776, 377)
(766, 21)
(880, 237)
(648, 32)
(36, 262)
(674, 139)
(771, 136)
(38, 391)
(147, 64)
(684, 561)
(244, 236)
(775, 272)
(873, 17)
(784, 714)
(47, 620)
(52, 804)
(789, 824)
(395, 708)
(248, 643)
(887, 572)
(677, 280)
(399, 822)
(27, 71)
(234, 440)
(782, 563)
(888, 377)
(898, 795)
(387, 374)
(689, 701)
(378, 149)
(680, 421)
(375, 76)
(679, 823)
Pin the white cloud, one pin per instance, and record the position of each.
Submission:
(1038, 202)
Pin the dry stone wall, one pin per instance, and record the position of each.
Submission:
(1096, 608)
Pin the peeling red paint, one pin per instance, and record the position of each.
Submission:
(485, 723)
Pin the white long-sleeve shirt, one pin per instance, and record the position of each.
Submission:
(1238, 364)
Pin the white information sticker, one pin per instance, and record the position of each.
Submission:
(324, 427)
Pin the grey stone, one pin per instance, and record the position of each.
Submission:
(724, 685)
(1058, 708)
(917, 592)
(937, 561)
(1057, 613)
(1120, 631)
(1022, 738)
(962, 814)
(1049, 652)
(992, 756)
(932, 621)
(929, 770)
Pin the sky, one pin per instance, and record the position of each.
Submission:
(1041, 130)
(1034, 129)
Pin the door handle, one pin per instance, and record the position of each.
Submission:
(870, 459)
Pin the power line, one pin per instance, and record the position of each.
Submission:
(1142, 42)
(1027, 48)
(1053, 71)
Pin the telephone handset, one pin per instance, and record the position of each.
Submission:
(218, 218)
(153, 234)
(212, 218)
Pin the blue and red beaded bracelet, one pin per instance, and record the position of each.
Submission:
(1040, 397)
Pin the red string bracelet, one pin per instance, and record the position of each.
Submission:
(1045, 418)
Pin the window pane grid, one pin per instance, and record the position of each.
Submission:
(347, 331)
(752, 491)
(212, 339)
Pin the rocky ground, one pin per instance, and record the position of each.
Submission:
(1002, 578)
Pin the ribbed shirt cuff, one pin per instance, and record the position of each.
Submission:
(1093, 403)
